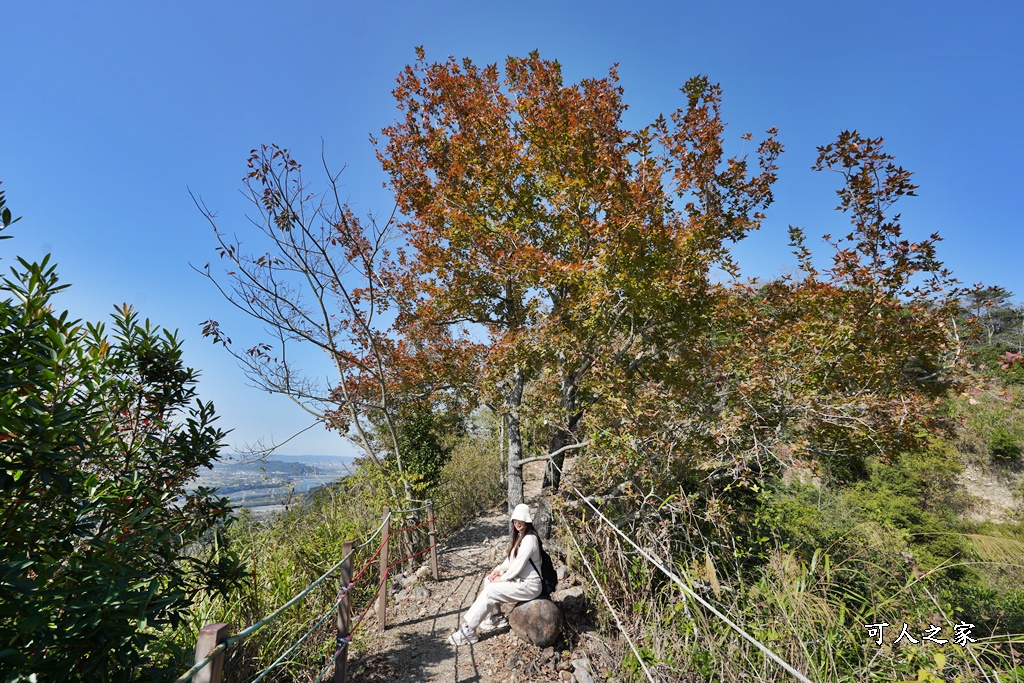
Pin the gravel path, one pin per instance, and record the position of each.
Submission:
(414, 646)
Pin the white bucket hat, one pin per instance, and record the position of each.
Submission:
(522, 513)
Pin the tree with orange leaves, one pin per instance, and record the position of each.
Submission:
(535, 214)
(852, 361)
(823, 372)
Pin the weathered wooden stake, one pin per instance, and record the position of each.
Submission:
(344, 614)
(382, 598)
(210, 636)
(433, 540)
(407, 538)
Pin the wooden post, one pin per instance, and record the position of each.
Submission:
(407, 538)
(382, 598)
(433, 540)
(344, 614)
(210, 636)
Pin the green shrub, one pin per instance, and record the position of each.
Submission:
(101, 544)
(1004, 445)
(470, 481)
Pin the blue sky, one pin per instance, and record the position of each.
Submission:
(113, 110)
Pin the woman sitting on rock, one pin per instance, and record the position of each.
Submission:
(516, 579)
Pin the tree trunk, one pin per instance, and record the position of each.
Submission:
(501, 450)
(515, 440)
(566, 435)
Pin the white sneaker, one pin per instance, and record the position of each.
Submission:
(492, 624)
(463, 637)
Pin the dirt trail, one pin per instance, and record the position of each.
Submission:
(414, 647)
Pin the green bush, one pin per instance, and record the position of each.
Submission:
(423, 435)
(470, 481)
(100, 552)
(915, 500)
(1004, 445)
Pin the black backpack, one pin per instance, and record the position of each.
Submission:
(548, 575)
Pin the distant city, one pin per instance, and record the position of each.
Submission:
(269, 486)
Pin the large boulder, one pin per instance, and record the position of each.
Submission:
(537, 621)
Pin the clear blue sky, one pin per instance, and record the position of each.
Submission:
(111, 110)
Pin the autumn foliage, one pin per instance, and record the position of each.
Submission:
(565, 271)
(581, 247)
(573, 277)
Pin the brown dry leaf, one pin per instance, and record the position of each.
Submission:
(712, 575)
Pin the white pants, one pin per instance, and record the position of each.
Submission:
(494, 594)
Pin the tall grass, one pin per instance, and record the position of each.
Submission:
(472, 481)
(806, 569)
(810, 610)
(991, 431)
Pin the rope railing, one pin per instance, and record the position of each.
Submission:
(686, 589)
(247, 632)
(369, 606)
(298, 642)
(409, 557)
(373, 557)
(343, 639)
(187, 676)
(380, 586)
(412, 528)
(611, 609)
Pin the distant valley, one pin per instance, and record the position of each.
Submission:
(269, 486)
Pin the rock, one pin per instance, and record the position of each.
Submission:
(538, 622)
(401, 595)
(423, 571)
(547, 653)
(406, 580)
(420, 593)
(565, 676)
(582, 664)
(564, 665)
(570, 599)
(562, 572)
(581, 676)
(573, 592)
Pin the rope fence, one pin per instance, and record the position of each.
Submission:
(297, 643)
(344, 641)
(213, 641)
(611, 609)
(685, 588)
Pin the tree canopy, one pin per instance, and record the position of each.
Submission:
(575, 276)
